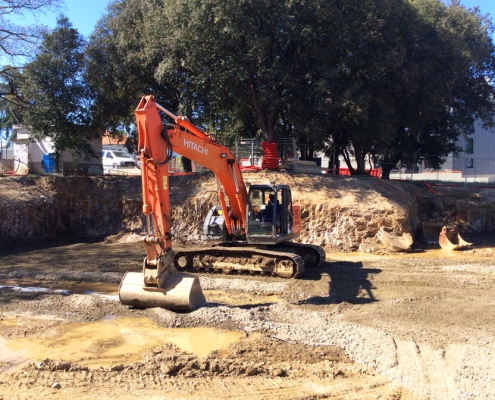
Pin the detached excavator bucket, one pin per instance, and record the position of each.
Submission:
(178, 293)
(394, 242)
(450, 239)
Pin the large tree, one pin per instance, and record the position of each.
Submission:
(17, 41)
(447, 84)
(252, 55)
(394, 79)
(60, 103)
(417, 75)
(235, 66)
(351, 106)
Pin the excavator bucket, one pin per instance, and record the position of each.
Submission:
(394, 242)
(179, 292)
(450, 239)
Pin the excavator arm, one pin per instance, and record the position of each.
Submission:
(157, 285)
(156, 145)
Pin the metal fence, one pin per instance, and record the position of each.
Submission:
(462, 168)
(250, 153)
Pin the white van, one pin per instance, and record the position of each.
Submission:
(117, 159)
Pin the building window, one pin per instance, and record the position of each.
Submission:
(469, 162)
(469, 146)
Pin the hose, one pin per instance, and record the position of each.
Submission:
(169, 149)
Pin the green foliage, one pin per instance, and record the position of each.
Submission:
(60, 103)
(234, 66)
(11, 110)
(447, 83)
(120, 71)
(16, 42)
(415, 77)
(394, 79)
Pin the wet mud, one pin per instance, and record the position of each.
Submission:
(365, 325)
(362, 326)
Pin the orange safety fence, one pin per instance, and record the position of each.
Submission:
(376, 172)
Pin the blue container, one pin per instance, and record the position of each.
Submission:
(49, 163)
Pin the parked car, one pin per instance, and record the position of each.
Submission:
(117, 159)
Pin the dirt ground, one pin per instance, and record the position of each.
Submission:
(362, 326)
(365, 325)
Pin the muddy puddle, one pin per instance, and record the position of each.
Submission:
(111, 341)
(437, 253)
(240, 299)
(103, 289)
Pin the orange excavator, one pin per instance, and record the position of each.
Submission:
(254, 229)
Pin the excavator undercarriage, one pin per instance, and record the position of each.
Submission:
(284, 261)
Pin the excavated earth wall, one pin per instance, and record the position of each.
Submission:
(471, 208)
(338, 212)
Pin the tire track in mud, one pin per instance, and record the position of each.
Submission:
(458, 372)
(68, 386)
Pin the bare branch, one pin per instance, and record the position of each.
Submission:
(21, 6)
(17, 40)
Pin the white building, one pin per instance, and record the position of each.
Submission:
(477, 161)
(38, 156)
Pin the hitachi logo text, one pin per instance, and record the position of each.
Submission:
(195, 147)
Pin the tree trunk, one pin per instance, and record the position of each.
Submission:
(186, 164)
(265, 119)
(308, 152)
(347, 159)
(360, 160)
(57, 162)
(386, 168)
(389, 162)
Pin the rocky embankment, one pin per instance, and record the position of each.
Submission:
(338, 212)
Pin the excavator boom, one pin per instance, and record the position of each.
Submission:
(193, 143)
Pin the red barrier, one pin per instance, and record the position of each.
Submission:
(270, 155)
(249, 168)
(376, 172)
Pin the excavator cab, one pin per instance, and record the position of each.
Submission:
(270, 214)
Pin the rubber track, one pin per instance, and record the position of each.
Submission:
(320, 250)
(298, 262)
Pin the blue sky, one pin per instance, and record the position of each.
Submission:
(486, 6)
(84, 14)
